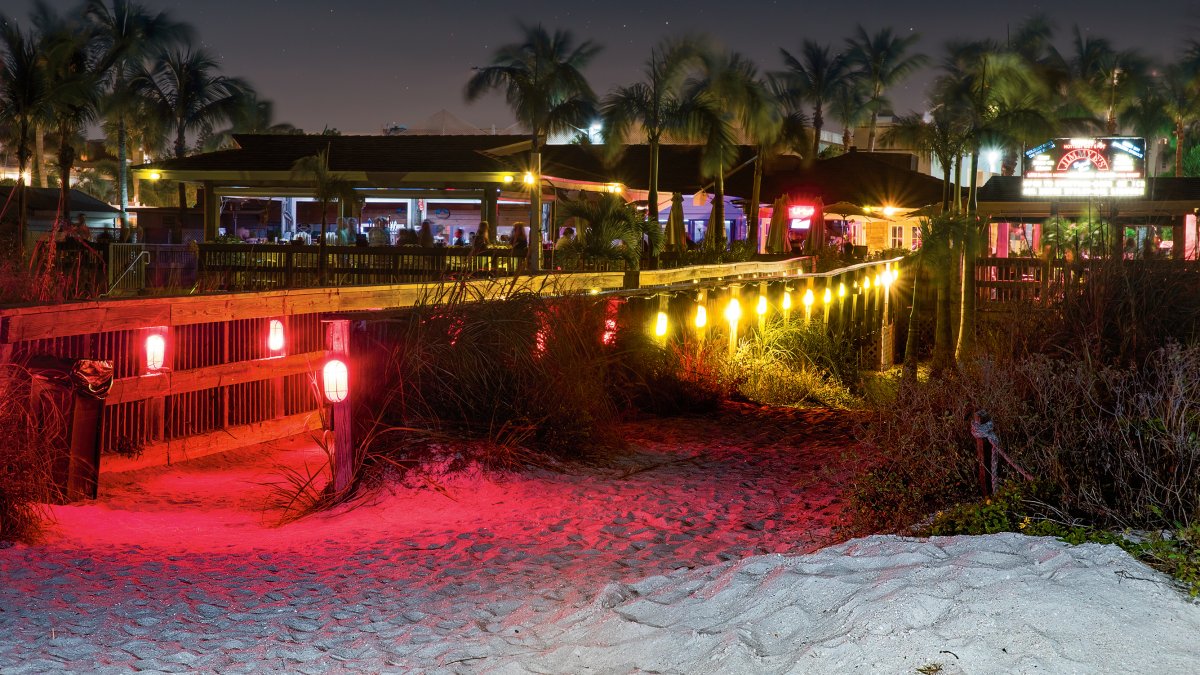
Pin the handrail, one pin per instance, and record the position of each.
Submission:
(128, 269)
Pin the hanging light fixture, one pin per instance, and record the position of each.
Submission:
(808, 298)
(787, 300)
(336, 380)
(761, 308)
(733, 311)
(828, 295)
(701, 316)
(660, 324)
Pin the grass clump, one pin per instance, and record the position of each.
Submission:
(796, 363)
(26, 458)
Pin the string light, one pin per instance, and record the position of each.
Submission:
(841, 290)
(701, 316)
(787, 300)
(761, 308)
(733, 311)
(660, 324)
(808, 298)
(828, 295)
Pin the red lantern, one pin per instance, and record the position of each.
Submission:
(336, 379)
(275, 336)
(156, 352)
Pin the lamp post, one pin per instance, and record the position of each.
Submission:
(335, 386)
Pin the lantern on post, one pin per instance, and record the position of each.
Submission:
(335, 385)
(156, 350)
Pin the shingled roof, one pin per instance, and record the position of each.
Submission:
(46, 199)
(384, 154)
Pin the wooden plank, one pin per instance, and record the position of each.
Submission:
(226, 374)
(201, 445)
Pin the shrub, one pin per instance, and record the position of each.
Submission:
(796, 363)
(26, 458)
(1117, 446)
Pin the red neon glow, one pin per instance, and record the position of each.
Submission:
(156, 352)
(336, 380)
(802, 211)
(275, 336)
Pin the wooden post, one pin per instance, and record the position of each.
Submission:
(887, 332)
(155, 413)
(337, 344)
(278, 391)
(212, 212)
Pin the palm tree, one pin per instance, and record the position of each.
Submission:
(1180, 96)
(725, 98)
(128, 34)
(815, 78)
(1104, 80)
(942, 136)
(182, 88)
(543, 83)
(24, 102)
(69, 57)
(327, 187)
(882, 61)
(653, 107)
(849, 108)
(251, 115)
(608, 230)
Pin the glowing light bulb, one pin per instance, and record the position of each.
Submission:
(808, 297)
(660, 324)
(507, 178)
(336, 379)
(761, 308)
(841, 290)
(733, 311)
(701, 316)
(867, 283)
(529, 179)
(156, 352)
(828, 296)
(275, 335)
(787, 300)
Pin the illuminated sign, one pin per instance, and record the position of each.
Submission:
(1086, 167)
(800, 216)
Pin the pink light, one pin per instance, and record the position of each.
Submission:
(336, 378)
(802, 211)
(156, 352)
(275, 336)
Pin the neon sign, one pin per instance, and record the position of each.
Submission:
(1086, 167)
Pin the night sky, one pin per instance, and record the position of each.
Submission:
(360, 64)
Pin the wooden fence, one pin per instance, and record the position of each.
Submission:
(220, 385)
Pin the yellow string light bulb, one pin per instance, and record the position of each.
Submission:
(761, 308)
(808, 297)
(787, 300)
(701, 316)
(867, 283)
(841, 290)
(733, 311)
(660, 324)
(828, 296)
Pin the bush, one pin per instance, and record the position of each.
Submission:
(25, 458)
(1116, 446)
(796, 363)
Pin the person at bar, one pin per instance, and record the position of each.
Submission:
(460, 238)
(425, 236)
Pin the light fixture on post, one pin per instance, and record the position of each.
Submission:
(335, 380)
(275, 337)
(335, 384)
(156, 352)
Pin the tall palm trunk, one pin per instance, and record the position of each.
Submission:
(957, 183)
(66, 160)
(652, 197)
(755, 197)
(39, 158)
(913, 339)
(818, 121)
(180, 151)
(22, 191)
(535, 210)
(966, 318)
(716, 228)
(123, 172)
(847, 139)
(943, 338)
(1179, 133)
(947, 185)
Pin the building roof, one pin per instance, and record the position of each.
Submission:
(861, 178)
(46, 199)
(384, 154)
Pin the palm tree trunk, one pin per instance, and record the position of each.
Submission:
(1179, 132)
(947, 186)
(39, 158)
(716, 228)
(957, 183)
(973, 182)
(872, 132)
(846, 138)
(535, 210)
(755, 196)
(180, 151)
(652, 197)
(966, 317)
(818, 121)
(66, 159)
(943, 334)
(913, 338)
(123, 172)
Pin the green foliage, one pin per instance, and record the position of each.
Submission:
(608, 230)
(26, 456)
(796, 363)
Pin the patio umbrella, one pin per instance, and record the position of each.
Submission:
(676, 237)
(845, 209)
(777, 230)
(816, 233)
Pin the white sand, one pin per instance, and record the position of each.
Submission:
(654, 565)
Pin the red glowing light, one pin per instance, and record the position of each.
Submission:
(336, 379)
(610, 332)
(275, 336)
(156, 352)
(802, 211)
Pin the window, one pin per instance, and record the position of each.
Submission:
(897, 240)
(916, 238)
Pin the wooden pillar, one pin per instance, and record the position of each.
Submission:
(212, 212)
(337, 345)
(278, 391)
(887, 331)
(490, 211)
